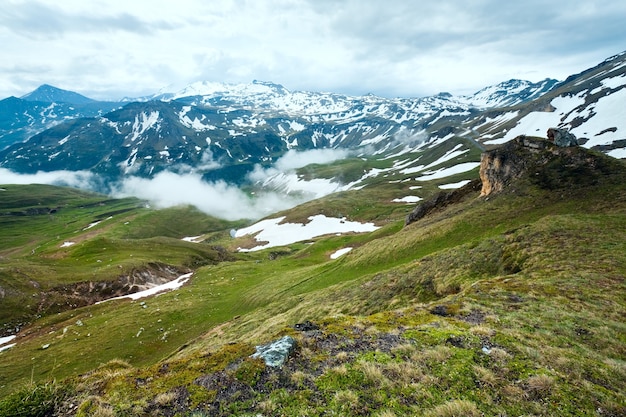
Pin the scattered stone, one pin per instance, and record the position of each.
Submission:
(441, 310)
(561, 137)
(582, 332)
(276, 353)
(475, 316)
(307, 326)
(456, 341)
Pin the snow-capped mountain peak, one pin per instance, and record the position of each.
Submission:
(509, 93)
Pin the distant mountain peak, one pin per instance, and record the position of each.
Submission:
(50, 94)
(511, 92)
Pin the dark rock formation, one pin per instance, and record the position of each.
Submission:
(540, 161)
(561, 137)
(498, 167)
(441, 200)
(307, 326)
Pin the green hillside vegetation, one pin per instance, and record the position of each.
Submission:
(506, 305)
(110, 238)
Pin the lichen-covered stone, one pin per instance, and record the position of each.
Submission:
(276, 353)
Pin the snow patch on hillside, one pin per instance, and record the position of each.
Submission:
(193, 239)
(4, 342)
(454, 185)
(407, 200)
(446, 172)
(272, 232)
(156, 290)
(610, 112)
(142, 123)
(340, 253)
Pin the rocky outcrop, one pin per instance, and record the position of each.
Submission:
(498, 167)
(544, 164)
(549, 164)
(561, 137)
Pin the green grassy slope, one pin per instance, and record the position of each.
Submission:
(511, 305)
(110, 238)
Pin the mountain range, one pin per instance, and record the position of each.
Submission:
(223, 131)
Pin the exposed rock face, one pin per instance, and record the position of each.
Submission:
(499, 166)
(543, 163)
(538, 161)
(85, 293)
(561, 137)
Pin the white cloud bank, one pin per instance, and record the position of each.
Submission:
(77, 179)
(219, 199)
(227, 201)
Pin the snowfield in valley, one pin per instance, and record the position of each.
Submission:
(272, 232)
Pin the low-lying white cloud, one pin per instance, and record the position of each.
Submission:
(77, 179)
(293, 160)
(219, 199)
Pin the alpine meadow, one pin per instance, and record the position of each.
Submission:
(243, 249)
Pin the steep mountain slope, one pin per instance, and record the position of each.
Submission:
(506, 305)
(146, 138)
(510, 93)
(224, 131)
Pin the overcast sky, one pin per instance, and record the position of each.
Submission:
(393, 48)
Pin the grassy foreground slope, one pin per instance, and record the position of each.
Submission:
(511, 305)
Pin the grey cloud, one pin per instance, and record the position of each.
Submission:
(399, 30)
(35, 20)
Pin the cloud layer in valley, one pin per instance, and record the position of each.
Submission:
(76, 179)
(218, 198)
(113, 48)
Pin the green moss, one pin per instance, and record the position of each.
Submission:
(249, 370)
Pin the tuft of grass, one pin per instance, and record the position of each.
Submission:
(455, 408)
(36, 400)
(539, 386)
